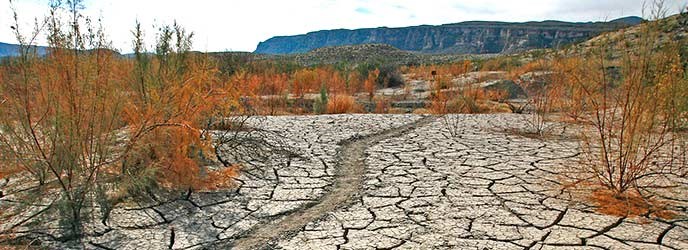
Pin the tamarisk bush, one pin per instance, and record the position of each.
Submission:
(90, 128)
(634, 95)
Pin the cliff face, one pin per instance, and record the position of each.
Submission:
(460, 38)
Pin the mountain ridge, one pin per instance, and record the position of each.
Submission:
(10, 50)
(471, 37)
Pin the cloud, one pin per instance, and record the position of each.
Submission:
(363, 10)
(475, 9)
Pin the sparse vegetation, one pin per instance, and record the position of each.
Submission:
(542, 87)
(632, 115)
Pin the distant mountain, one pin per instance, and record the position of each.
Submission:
(7, 49)
(629, 20)
(10, 50)
(475, 37)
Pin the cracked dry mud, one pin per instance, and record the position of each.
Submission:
(393, 182)
(480, 190)
(268, 190)
(346, 188)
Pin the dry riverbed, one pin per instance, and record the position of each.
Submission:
(392, 182)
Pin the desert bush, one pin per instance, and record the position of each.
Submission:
(466, 102)
(382, 106)
(571, 91)
(442, 82)
(389, 76)
(452, 123)
(447, 97)
(353, 82)
(309, 80)
(263, 82)
(95, 127)
(438, 97)
(304, 81)
(370, 84)
(342, 104)
(320, 106)
(632, 116)
(167, 114)
(467, 99)
(543, 89)
(60, 114)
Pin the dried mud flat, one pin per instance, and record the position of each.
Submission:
(393, 182)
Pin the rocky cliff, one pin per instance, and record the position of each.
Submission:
(460, 38)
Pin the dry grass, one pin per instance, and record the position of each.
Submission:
(221, 179)
(396, 111)
(606, 201)
(422, 111)
(629, 204)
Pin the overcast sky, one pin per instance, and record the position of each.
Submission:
(239, 25)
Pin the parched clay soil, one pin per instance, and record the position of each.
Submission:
(389, 182)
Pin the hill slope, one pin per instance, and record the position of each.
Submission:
(672, 28)
(356, 53)
(372, 53)
(460, 38)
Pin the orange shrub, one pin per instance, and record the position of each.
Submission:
(89, 125)
(353, 83)
(304, 81)
(439, 101)
(220, 179)
(371, 83)
(382, 106)
(275, 84)
(342, 104)
(468, 100)
(533, 66)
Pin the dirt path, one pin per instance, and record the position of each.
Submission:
(347, 186)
